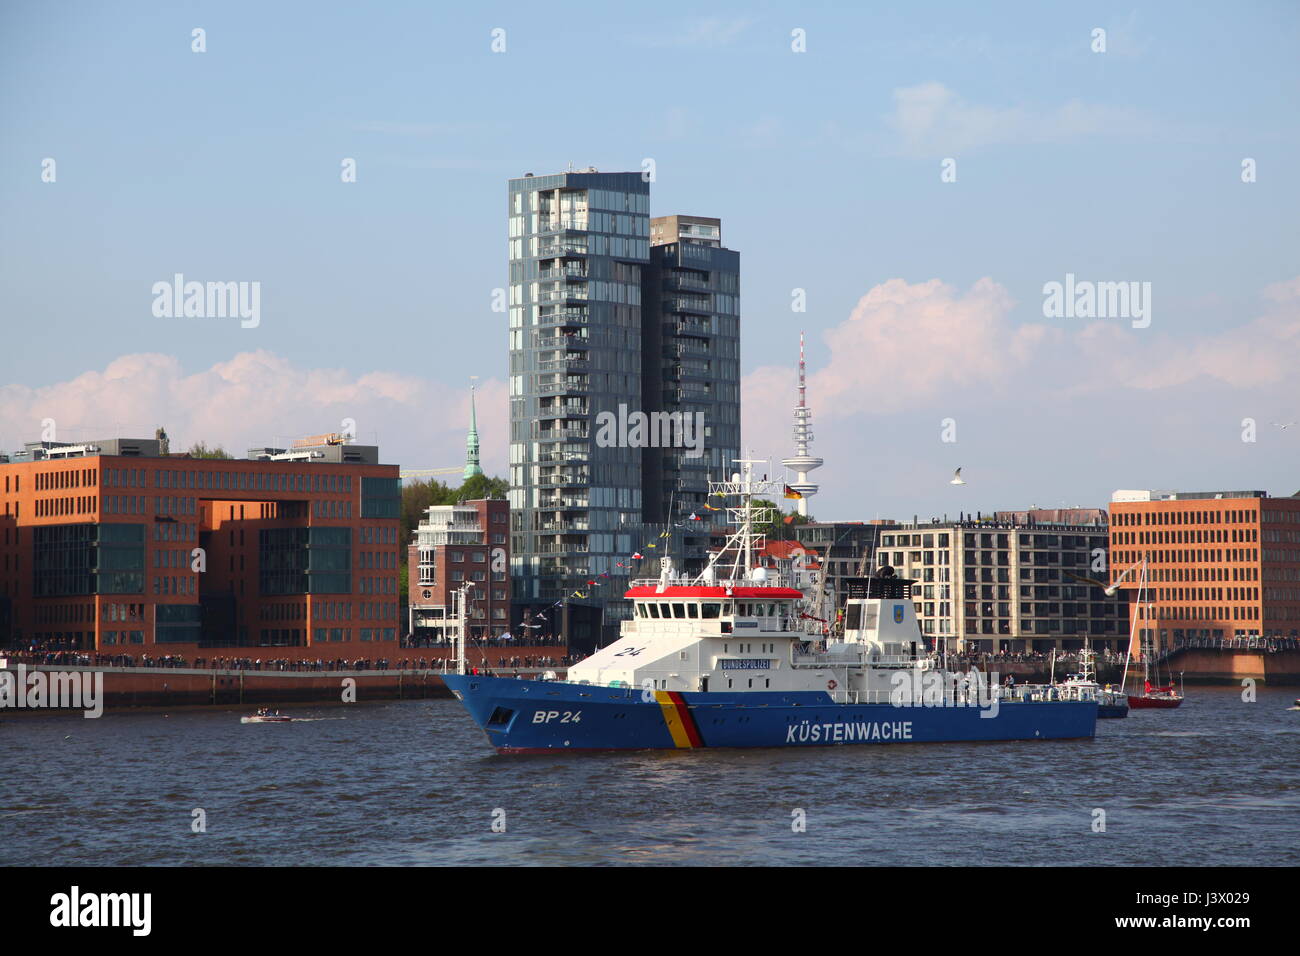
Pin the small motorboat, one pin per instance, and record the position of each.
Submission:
(1296, 705)
(266, 715)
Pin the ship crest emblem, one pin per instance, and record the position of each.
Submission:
(898, 614)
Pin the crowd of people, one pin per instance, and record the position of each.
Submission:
(506, 639)
(83, 659)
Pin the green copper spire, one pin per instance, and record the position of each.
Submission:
(471, 442)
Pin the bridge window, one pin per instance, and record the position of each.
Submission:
(679, 610)
(654, 609)
(853, 617)
(692, 610)
(711, 610)
(640, 608)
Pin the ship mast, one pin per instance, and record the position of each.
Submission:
(462, 624)
(743, 542)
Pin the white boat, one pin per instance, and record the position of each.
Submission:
(1084, 686)
(265, 716)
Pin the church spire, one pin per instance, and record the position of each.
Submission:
(471, 442)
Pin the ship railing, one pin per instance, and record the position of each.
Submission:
(859, 659)
(826, 660)
(688, 581)
(967, 699)
(861, 696)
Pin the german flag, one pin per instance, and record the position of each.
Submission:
(791, 493)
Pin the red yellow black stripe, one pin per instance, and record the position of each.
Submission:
(678, 719)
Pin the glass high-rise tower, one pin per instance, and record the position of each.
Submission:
(691, 345)
(605, 328)
(578, 245)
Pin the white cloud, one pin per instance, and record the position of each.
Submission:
(930, 119)
(703, 32)
(259, 398)
(1125, 407)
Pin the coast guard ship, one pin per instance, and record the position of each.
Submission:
(731, 659)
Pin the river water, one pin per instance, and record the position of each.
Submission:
(1215, 782)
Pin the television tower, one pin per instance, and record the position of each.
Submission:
(801, 462)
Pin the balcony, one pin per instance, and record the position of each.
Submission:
(555, 456)
(585, 337)
(575, 270)
(562, 549)
(686, 282)
(693, 327)
(688, 304)
(562, 527)
(557, 250)
(563, 388)
(570, 294)
(564, 317)
(688, 347)
(564, 364)
(563, 481)
(568, 431)
(562, 504)
(562, 225)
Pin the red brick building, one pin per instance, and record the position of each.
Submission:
(117, 545)
(1221, 564)
(455, 544)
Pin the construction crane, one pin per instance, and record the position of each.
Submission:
(427, 472)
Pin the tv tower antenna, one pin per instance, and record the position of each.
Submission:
(801, 463)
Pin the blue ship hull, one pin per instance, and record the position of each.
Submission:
(531, 716)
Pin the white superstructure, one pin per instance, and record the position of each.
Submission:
(737, 627)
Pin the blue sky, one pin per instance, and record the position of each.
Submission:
(824, 167)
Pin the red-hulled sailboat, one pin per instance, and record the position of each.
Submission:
(1153, 697)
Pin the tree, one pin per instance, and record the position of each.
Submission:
(481, 486)
(782, 526)
(417, 496)
(769, 528)
(201, 450)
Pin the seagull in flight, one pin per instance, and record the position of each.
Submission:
(1282, 426)
(956, 478)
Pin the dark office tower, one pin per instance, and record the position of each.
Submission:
(579, 243)
(691, 372)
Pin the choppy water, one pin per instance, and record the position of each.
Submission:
(1213, 783)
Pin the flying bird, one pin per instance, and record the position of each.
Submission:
(956, 478)
(1108, 589)
(1282, 426)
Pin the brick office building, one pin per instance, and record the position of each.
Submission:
(115, 545)
(455, 544)
(1221, 564)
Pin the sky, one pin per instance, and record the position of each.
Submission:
(918, 172)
